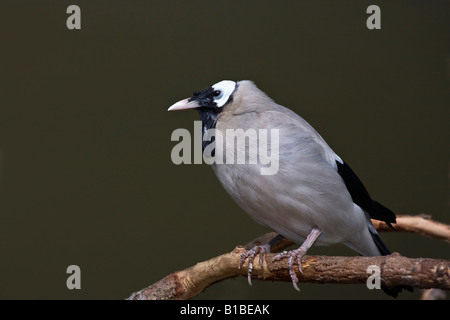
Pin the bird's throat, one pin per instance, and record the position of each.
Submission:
(208, 116)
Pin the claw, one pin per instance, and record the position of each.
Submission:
(250, 254)
(298, 254)
(294, 255)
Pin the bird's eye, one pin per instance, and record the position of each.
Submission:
(217, 94)
(221, 92)
(196, 93)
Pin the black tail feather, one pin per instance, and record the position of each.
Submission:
(375, 210)
(379, 243)
(391, 291)
(382, 213)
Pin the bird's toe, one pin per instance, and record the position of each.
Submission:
(250, 255)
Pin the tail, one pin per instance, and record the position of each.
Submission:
(371, 209)
(392, 291)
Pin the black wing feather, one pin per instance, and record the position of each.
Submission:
(375, 210)
(362, 198)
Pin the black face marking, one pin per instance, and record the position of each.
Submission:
(208, 116)
(208, 110)
(204, 98)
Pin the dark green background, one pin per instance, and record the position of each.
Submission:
(86, 176)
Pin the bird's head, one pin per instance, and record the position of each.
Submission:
(211, 99)
(224, 97)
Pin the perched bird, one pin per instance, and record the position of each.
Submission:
(313, 198)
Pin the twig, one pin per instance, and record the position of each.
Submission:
(421, 224)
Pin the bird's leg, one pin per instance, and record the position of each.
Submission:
(261, 250)
(298, 254)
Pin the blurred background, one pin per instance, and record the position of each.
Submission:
(86, 176)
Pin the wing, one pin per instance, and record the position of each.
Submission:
(285, 118)
(361, 197)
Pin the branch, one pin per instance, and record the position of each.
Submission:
(421, 224)
(396, 270)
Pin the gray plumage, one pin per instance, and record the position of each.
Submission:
(309, 192)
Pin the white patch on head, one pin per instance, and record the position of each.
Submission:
(226, 88)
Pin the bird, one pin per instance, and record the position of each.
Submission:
(313, 198)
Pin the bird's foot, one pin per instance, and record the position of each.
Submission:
(293, 255)
(250, 254)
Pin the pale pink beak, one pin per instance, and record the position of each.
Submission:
(183, 105)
